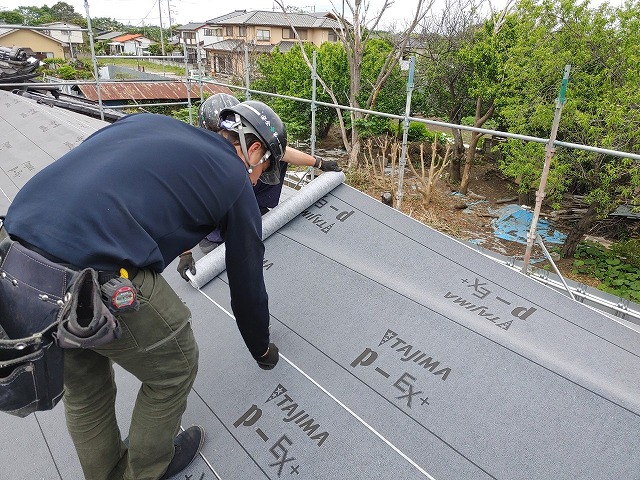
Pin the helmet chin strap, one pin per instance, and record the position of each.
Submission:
(243, 146)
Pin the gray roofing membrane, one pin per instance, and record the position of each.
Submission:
(405, 354)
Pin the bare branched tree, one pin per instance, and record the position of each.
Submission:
(427, 180)
(354, 35)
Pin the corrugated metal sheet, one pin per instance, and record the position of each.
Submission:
(147, 91)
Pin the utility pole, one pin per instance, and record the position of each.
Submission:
(161, 34)
(169, 10)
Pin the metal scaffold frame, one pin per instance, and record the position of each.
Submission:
(551, 144)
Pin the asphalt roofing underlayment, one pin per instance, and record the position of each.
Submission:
(405, 355)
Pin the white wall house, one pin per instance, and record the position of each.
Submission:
(68, 33)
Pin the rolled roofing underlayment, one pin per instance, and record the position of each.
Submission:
(212, 264)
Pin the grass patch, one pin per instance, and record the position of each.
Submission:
(149, 67)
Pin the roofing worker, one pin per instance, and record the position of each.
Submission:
(133, 196)
(267, 179)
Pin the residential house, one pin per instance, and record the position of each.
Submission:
(129, 44)
(195, 36)
(43, 45)
(69, 33)
(262, 31)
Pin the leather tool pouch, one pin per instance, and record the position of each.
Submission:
(84, 320)
(32, 292)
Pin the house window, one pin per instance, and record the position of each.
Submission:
(333, 36)
(289, 34)
(242, 31)
(263, 35)
(43, 55)
(213, 32)
(228, 31)
(189, 35)
(222, 64)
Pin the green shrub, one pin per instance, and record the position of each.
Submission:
(373, 126)
(628, 250)
(66, 71)
(619, 276)
(417, 132)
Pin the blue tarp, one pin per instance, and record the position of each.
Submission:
(513, 223)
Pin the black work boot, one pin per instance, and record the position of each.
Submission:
(187, 446)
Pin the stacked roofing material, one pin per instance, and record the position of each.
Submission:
(17, 64)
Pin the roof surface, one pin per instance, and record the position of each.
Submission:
(109, 35)
(280, 19)
(405, 354)
(190, 26)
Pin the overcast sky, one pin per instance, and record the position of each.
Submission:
(134, 12)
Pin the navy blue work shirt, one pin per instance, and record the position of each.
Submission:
(268, 196)
(138, 193)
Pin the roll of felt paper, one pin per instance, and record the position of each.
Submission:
(212, 264)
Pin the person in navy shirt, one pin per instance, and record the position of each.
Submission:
(267, 185)
(131, 198)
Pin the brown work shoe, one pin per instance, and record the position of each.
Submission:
(187, 446)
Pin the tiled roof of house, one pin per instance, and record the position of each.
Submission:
(126, 37)
(279, 19)
(109, 35)
(190, 26)
(228, 45)
(234, 45)
(217, 20)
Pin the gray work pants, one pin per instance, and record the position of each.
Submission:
(158, 347)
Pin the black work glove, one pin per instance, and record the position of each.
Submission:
(328, 165)
(186, 263)
(270, 359)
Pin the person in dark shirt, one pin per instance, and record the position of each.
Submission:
(267, 184)
(130, 199)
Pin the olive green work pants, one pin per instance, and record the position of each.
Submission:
(158, 347)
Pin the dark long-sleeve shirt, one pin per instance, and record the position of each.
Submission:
(138, 193)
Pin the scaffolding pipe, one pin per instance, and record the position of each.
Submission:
(553, 264)
(314, 78)
(405, 133)
(549, 151)
(187, 81)
(498, 133)
(247, 94)
(93, 60)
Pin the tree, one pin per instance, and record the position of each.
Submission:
(487, 55)
(354, 35)
(602, 108)
(35, 15)
(286, 73)
(11, 17)
(63, 12)
(445, 72)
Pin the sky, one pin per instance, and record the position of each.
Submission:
(134, 12)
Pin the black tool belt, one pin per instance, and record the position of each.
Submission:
(44, 307)
(32, 292)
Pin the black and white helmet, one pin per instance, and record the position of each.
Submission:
(258, 118)
(209, 110)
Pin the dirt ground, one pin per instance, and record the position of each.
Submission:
(466, 217)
